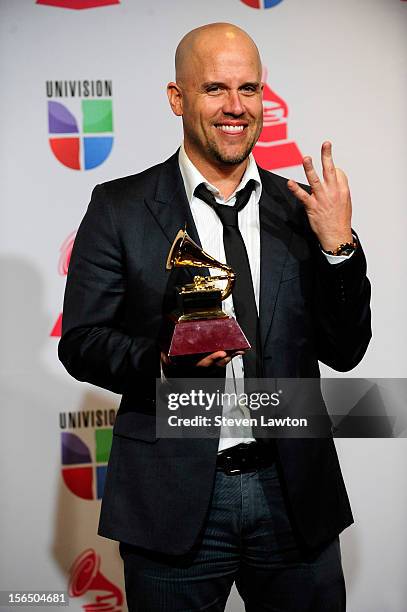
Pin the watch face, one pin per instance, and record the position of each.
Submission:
(347, 250)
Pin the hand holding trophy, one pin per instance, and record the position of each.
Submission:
(199, 326)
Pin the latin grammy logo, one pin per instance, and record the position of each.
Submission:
(78, 4)
(273, 149)
(86, 576)
(63, 264)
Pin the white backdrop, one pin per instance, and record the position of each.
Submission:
(339, 69)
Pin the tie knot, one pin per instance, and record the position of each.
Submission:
(243, 196)
(227, 214)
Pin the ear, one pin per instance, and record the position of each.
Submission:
(175, 98)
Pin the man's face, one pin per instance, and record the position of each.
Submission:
(221, 100)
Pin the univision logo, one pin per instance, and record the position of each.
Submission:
(261, 4)
(84, 457)
(80, 129)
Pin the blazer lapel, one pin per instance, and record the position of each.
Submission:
(172, 212)
(275, 238)
(170, 206)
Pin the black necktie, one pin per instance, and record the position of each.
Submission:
(244, 301)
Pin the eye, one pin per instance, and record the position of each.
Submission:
(249, 89)
(213, 89)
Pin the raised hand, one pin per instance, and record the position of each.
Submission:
(329, 206)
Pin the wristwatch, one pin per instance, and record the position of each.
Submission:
(346, 248)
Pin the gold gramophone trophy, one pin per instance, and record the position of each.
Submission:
(199, 325)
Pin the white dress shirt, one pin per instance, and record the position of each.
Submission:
(210, 231)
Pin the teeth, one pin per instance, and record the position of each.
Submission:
(231, 128)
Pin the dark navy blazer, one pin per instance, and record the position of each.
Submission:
(157, 491)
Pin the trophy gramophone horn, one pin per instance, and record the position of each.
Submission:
(185, 252)
(199, 325)
(85, 576)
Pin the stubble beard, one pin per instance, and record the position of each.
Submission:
(230, 159)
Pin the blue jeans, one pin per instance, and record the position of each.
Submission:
(248, 540)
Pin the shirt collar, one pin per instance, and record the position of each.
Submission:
(192, 177)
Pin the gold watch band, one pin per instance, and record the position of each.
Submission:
(346, 248)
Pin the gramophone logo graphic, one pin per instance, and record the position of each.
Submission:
(78, 4)
(64, 259)
(85, 576)
(273, 149)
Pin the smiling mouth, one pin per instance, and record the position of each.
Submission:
(231, 129)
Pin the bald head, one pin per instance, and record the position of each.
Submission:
(202, 44)
(218, 94)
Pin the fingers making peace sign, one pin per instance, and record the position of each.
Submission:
(329, 206)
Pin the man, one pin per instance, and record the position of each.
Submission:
(191, 518)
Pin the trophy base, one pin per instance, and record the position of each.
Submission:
(207, 336)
